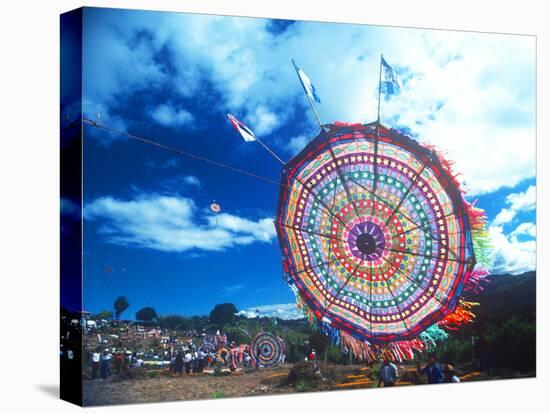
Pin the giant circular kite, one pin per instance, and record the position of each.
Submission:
(267, 349)
(378, 241)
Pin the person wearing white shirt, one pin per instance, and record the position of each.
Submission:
(187, 361)
(96, 362)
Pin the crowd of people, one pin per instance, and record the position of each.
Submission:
(187, 357)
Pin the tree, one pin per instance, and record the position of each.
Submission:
(146, 314)
(237, 335)
(121, 304)
(223, 314)
(173, 322)
(104, 314)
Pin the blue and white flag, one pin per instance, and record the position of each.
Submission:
(309, 88)
(245, 132)
(390, 84)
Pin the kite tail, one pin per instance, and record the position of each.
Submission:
(432, 336)
(314, 322)
(306, 311)
(482, 246)
(463, 314)
(395, 351)
(358, 348)
(332, 333)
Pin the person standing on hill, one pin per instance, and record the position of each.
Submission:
(388, 373)
(178, 364)
(96, 363)
(105, 369)
(433, 370)
(312, 360)
(201, 356)
(118, 362)
(187, 361)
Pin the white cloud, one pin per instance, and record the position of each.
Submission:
(524, 229)
(525, 201)
(233, 289)
(470, 94)
(296, 144)
(171, 117)
(172, 224)
(509, 254)
(179, 183)
(263, 121)
(261, 230)
(282, 311)
(505, 215)
(192, 180)
(516, 202)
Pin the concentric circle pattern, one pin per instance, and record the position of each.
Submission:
(267, 349)
(208, 347)
(373, 233)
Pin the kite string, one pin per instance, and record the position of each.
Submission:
(178, 151)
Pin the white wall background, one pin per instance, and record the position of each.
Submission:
(29, 159)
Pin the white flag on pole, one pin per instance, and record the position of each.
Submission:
(245, 132)
(309, 88)
(390, 82)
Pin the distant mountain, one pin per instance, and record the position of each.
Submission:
(506, 295)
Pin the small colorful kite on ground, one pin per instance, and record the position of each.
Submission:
(208, 347)
(378, 242)
(267, 350)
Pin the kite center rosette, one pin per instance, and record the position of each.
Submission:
(377, 239)
(367, 240)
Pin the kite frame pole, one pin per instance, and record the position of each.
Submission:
(270, 151)
(314, 111)
(379, 87)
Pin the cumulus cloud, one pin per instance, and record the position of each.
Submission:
(524, 229)
(525, 201)
(295, 144)
(179, 183)
(282, 311)
(470, 94)
(263, 121)
(514, 252)
(173, 224)
(511, 255)
(170, 117)
(516, 202)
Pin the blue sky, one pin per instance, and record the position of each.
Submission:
(148, 230)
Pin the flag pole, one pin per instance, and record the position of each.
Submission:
(314, 111)
(238, 125)
(379, 88)
(307, 96)
(270, 151)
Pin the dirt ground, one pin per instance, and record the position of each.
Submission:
(159, 386)
(165, 387)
